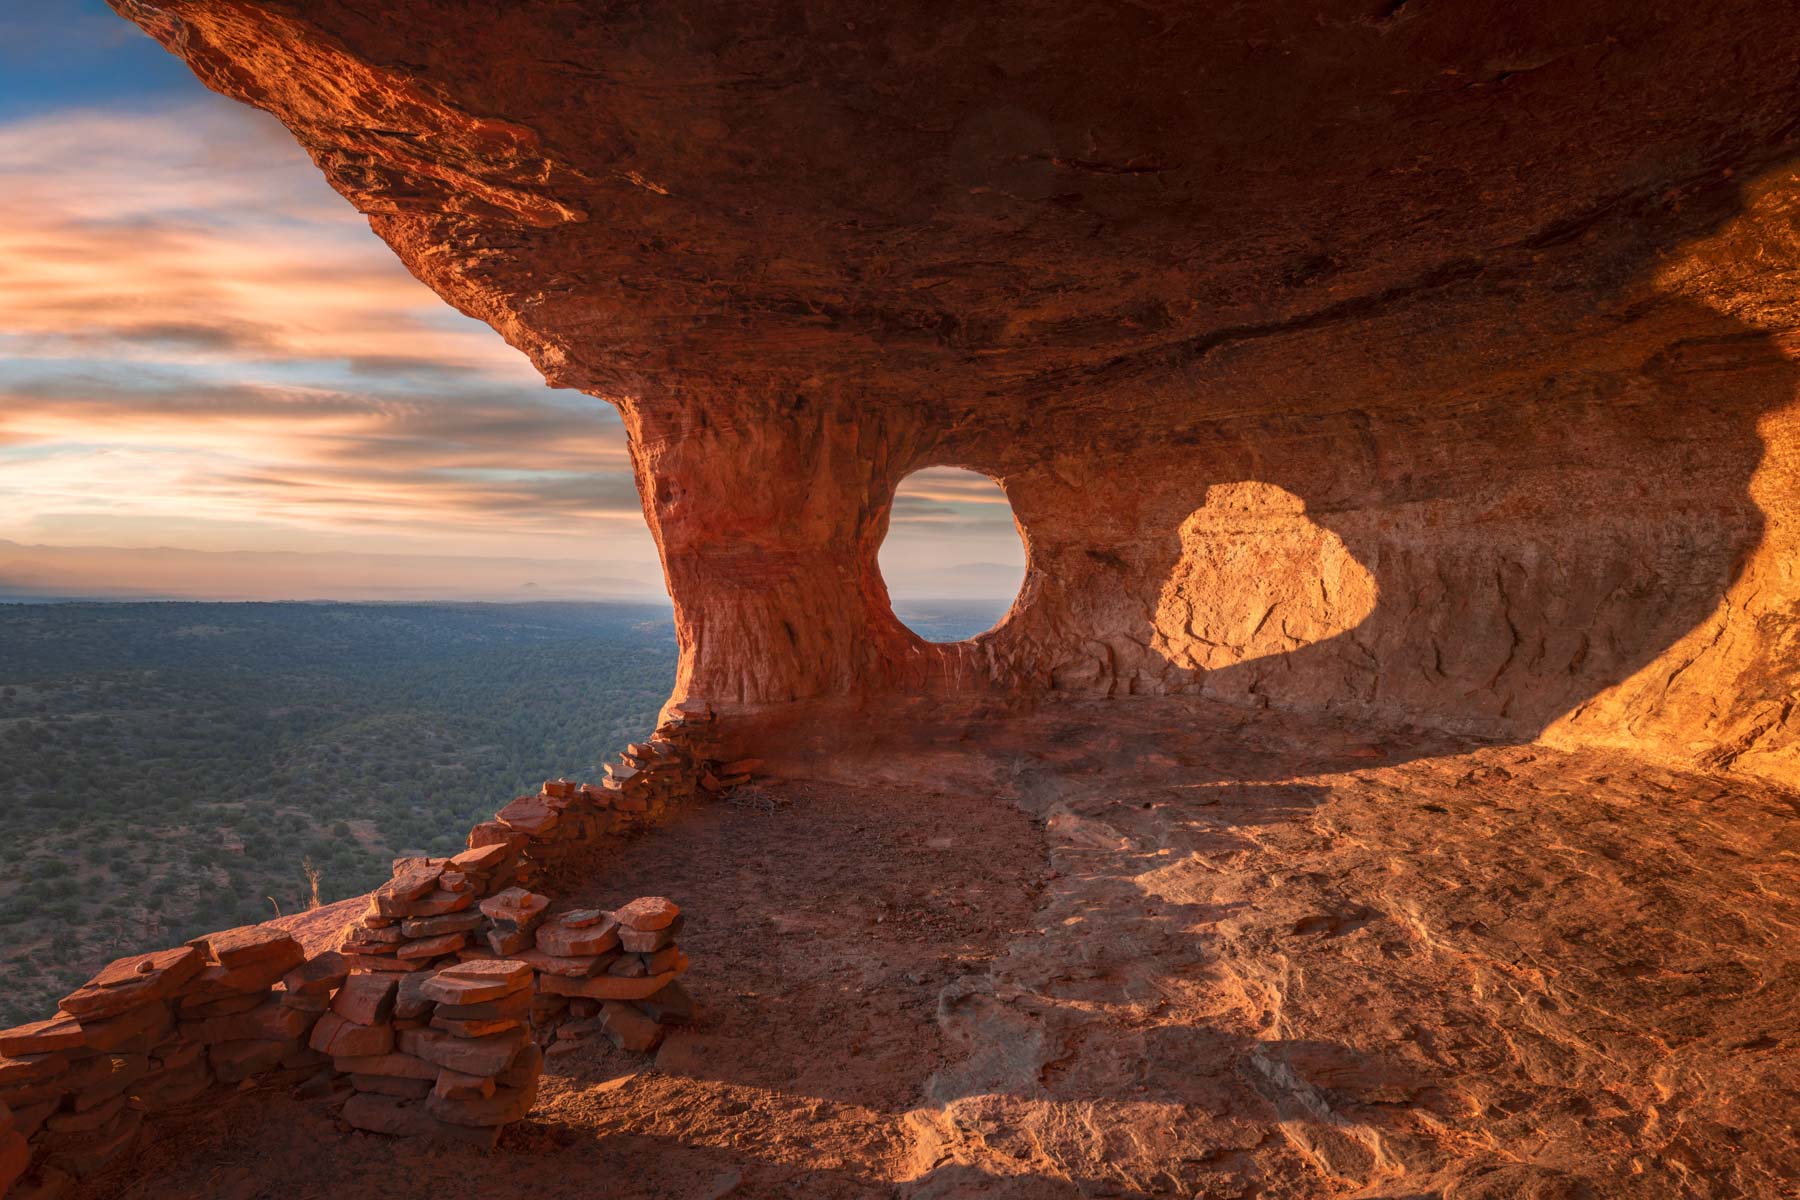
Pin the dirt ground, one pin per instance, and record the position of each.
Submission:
(1161, 949)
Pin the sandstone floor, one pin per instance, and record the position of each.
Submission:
(1161, 948)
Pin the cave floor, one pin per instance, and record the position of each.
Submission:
(1161, 948)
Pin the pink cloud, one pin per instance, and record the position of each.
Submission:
(201, 344)
(207, 224)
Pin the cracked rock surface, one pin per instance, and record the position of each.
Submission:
(1417, 361)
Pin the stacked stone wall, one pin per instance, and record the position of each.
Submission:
(429, 1017)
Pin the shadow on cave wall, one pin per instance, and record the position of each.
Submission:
(1533, 539)
(1524, 507)
(1539, 553)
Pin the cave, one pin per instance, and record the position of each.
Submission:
(1383, 783)
(1495, 302)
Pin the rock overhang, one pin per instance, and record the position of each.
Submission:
(1493, 292)
(675, 194)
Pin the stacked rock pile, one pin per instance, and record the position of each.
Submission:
(152, 1031)
(452, 1049)
(689, 725)
(613, 973)
(510, 917)
(431, 1014)
(444, 1054)
(675, 762)
(443, 1044)
(430, 909)
(644, 773)
(690, 728)
(459, 968)
(565, 817)
(550, 826)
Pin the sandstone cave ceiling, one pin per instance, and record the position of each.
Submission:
(1430, 359)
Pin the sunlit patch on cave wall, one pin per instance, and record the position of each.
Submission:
(1727, 694)
(1257, 577)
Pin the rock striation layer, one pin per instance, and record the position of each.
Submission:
(1430, 361)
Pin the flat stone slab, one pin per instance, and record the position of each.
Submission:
(473, 982)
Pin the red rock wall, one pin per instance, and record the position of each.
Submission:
(1482, 313)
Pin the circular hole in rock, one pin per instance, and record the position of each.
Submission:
(953, 558)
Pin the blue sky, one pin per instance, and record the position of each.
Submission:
(57, 54)
(206, 358)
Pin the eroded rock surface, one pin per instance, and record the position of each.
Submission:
(1496, 299)
(1160, 947)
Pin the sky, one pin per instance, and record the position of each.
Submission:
(216, 382)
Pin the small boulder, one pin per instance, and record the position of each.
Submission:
(648, 913)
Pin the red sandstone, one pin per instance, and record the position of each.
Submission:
(1404, 366)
